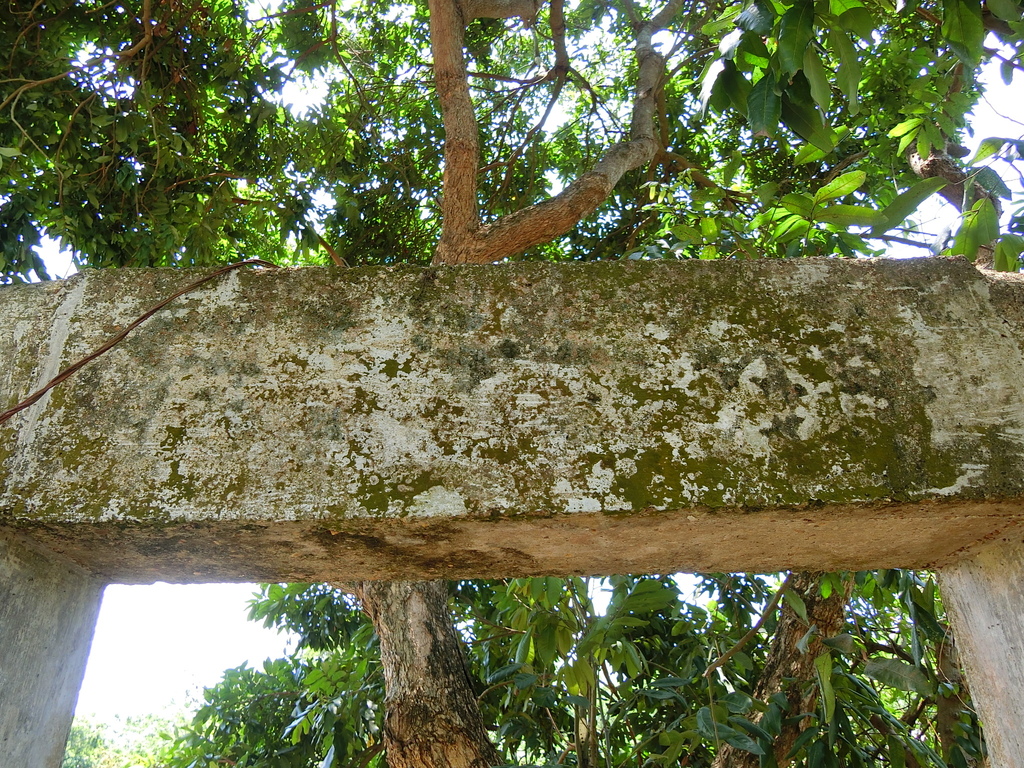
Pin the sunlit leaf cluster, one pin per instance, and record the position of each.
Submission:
(178, 133)
(615, 672)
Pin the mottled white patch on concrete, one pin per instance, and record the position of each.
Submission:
(437, 501)
(51, 363)
(965, 481)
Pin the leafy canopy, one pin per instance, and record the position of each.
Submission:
(563, 682)
(164, 134)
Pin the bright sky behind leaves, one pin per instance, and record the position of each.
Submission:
(157, 645)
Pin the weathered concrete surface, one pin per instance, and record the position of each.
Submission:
(984, 596)
(328, 424)
(48, 609)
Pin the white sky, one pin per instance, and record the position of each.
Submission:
(158, 645)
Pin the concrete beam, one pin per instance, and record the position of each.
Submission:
(983, 595)
(47, 615)
(323, 424)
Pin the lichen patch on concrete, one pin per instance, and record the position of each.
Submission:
(388, 396)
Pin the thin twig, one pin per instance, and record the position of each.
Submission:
(147, 33)
(34, 84)
(846, 162)
(338, 260)
(118, 337)
(753, 630)
(897, 239)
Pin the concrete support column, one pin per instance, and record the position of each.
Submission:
(984, 598)
(48, 610)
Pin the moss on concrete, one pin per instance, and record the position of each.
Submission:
(525, 389)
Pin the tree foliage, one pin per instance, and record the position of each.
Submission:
(163, 134)
(562, 682)
(135, 742)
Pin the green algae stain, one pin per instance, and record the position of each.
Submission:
(174, 437)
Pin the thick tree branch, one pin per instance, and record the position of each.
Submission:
(752, 633)
(462, 140)
(500, 9)
(557, 24)
(464, 240)
(957, 191)
(431, 719)
(559, 72)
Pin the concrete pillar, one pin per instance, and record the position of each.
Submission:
(984, 598)
(48, 610)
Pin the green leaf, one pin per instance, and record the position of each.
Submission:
(578, 701)
(907, 202)
(1008, 253)
(708, 80)
(980, 226)
(799, 204)
(848, 75)
(764, 106)
(739, 740)
(840, 186)
(714, 731)
(897, 751)
(905, 127)
(546, 643)
(524, 680)
(649, 595)
(808, 735)
(963, 29)
(9, 151)
(656, 694)
(754, 730)
(668, 682)
(992, 183)
(758, 17)
(737, 702)
(838, 7)
(859, 21)
(796, 30)
(735, 85)
(805, 121)
(796, 604)
(502, 672)
(706, 724)
(808, 154)
(844, 643)
(1007, 10)
(898, 674)
(816, 755)
(987, 148)
(1006, 70)
(524, 651)
(823, 666)
(790, 228)
(850, 216)
(814, 71)
(686, 233)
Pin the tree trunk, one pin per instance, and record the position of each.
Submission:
(465, 239)
(431, 717)
(790, 671)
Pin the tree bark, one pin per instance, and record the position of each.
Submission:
(789, 671)
(464, 238)
(939, 164)
(431, 717)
